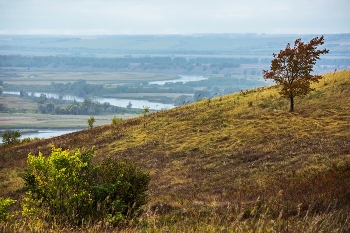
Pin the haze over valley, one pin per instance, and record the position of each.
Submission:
(174, 116)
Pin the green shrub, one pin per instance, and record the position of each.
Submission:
(91, 122)
(58, 186)
(115, 121)
(122, 181)
(4, 208)
(11, 137)
(66, 188)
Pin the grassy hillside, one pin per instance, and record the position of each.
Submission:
(240, 162)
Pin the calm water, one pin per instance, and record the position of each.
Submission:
(42, 133)
(183, 78)
(46, 133)
(113, 101)
(123, 102)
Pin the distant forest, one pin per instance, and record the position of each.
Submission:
(124, 62)
(145, 62)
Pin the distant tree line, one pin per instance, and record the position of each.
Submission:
(222, 84)
(88, 107)
(225, 84)
(145, 62)
(324, 61)
(230, 61)
(337, 61)
(79, 87)
(121, 62)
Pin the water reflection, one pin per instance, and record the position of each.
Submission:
(46, 133)
(122, 102)
(113, 101)
(42, 134)
(183, 78)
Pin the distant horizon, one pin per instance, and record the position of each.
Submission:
(184, 17)
(178, 34)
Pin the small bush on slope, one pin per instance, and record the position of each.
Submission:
(65, 188)
(4, 208)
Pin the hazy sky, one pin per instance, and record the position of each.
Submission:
(100, 17)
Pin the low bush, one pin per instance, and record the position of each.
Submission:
(5, 204)
(91, 122)
(11, 137)
(66, 188)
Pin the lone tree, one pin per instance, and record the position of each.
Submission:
(91, 122)
(11, 137)
(291, 68)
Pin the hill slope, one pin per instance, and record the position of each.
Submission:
(227, 152)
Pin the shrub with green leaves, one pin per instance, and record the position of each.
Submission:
(58, 185)
(67, 188)
(91, 122)
(11, 137)
(122, 181)
(5, 204)
(115, 121)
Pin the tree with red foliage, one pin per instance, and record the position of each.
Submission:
(291, 68)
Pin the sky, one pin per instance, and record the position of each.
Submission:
(111, 17)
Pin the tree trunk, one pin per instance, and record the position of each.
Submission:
(291, 103)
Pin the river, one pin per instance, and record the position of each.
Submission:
(44, 133)
(183, 78)
(123, 102)
(113, 101)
